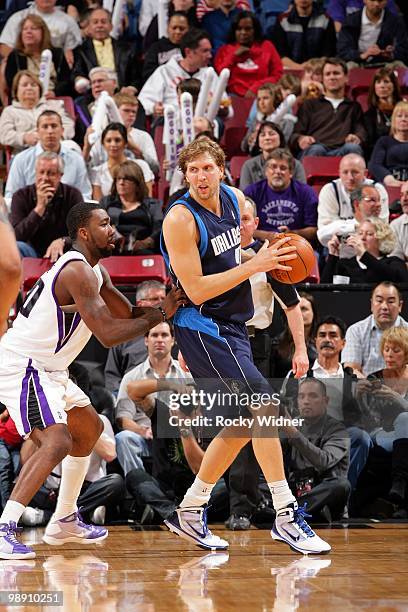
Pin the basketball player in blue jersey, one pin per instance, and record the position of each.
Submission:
(74, 299)
(201, 239)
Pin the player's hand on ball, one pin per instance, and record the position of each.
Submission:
(271, 255)
(174, 299)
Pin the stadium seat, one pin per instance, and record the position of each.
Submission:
(362, 99)
(314, 276)
(134, 269)
(33, 268)
(360, 80)
(241, 107)
(321, 170)
(231, 140)
(236, 164)
(393, 193)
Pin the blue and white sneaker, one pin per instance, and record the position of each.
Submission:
(191, 524)
(10, 547)
(290, 527)
(72, 528)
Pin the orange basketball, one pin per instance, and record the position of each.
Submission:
(302, 266)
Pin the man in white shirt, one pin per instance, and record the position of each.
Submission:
(335, 209)
(64, 29)
(400, 225)
(161, 87)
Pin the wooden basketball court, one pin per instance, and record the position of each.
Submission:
(156, 571)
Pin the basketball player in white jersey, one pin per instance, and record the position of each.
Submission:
(74, 299)
(10, 268)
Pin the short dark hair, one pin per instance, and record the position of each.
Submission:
(115, 127)
(282, 155)
(335, 61)
(258, 34)
(171, 328)
(79, 216)
(49, 113)
(317, 381)
(191, 39)
(387, 284)
(275, 127)
(332, 320)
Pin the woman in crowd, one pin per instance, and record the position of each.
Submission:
(136, 217)
(114, 140)
(18, 122)
(372, 244)
(34, 36)
(283, 351)
(383, 95)
(384, 403)
(388, 163)
(251, 59)
(270, 137)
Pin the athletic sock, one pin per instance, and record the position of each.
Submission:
(12, 512)
(73, 474)
(281, 494)
(198, 494)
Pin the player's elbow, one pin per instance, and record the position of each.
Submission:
(11, 268)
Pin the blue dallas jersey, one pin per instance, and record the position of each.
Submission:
(220, 250)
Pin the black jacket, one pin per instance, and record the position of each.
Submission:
(393, 32)
(126, 66)
(18, 61)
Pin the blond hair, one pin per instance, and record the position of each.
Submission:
(397, 336)
(403, 105)
(200, 147)
(384, 234)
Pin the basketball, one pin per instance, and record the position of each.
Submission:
(302, 266)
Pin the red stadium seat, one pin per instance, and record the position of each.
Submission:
(360, 80)
(231, 140)
(362, 99)
(241, 107)
(33, 268)
(314, 276)
(321, 170)
(393, 193)
(134, 269)
(236, 164)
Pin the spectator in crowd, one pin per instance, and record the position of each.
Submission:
(317, 454)
(331, 124)
(269, 138)
(38, 211)
(132, 442)
(386, 402)
(371, 246)
(388, 163)
(18, 121)
(373, 35)
(100, 49)
(336, 211)
(283, 203)
(303, 32)
(152, 33)
(50, 131)
(64, 29)
(101, 79)
(140, 144)
(340, 383)
(284, 347)
(362, 351)
(400, 226)
(167, 46)
(383, 95)
(10, 444)
(126, 356)
(34, 36)
(136, 217)
(312, 76)
(251, 59)
(161, 87)
(340, 9)
(114, 141)
(218, 22)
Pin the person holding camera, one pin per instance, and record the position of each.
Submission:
(364, 256)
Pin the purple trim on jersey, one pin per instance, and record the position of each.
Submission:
(45, 411)
(75, 322)
(60, 314)
(24, 398)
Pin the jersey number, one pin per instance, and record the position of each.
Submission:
(32, 298)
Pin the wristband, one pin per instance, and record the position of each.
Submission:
(185, 432)
(163, 313)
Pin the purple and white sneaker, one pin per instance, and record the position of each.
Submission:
(72, 528)
(191, 524)
(10, 547)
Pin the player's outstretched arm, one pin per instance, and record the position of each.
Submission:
(78, 283)
(186, 264)
(10, 270)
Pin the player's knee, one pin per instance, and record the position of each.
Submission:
(56, 443)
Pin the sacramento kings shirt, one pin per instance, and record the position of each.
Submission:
(295, 207)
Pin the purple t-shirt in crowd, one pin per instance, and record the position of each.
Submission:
(295, 207)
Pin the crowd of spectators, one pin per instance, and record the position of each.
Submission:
(303, 58)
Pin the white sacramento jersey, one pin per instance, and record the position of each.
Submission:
(42, 331)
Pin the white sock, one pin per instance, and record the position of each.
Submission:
(12, 512)
(281, 494)
(198, 494)
(73, 474)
